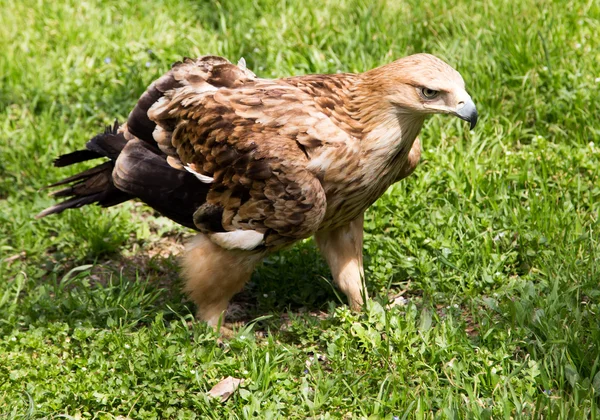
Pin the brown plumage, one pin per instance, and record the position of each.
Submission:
(256, 164)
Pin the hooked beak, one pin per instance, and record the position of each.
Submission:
(467, 111)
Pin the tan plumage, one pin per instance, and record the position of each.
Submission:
(256, 164)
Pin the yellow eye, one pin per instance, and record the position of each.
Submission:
(429, 93)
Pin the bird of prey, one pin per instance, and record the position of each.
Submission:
(256, 164)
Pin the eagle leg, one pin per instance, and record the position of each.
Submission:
(342, 249)
(213, 275)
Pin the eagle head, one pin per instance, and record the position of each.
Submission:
(423, 84)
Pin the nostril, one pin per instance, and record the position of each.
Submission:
(461, 104)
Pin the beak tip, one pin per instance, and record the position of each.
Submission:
(469, 113)
(473, 122)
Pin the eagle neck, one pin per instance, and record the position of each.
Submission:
(388, 137)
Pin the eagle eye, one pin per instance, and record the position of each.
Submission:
(429, 93)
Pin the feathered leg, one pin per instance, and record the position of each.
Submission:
(214, 274)
(342, 248)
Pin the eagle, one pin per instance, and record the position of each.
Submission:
(255, 165)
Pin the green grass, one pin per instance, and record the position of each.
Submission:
(494, 241)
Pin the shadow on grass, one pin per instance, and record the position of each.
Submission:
(132, 289)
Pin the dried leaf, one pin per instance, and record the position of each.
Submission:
(225, 388)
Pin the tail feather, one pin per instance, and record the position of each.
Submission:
(77, 177)
(75, 157)
(94, 185)
(108, 144)
(135, 169)
(72, 203)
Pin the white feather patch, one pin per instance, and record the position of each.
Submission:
(203, 178)
(242, 63)
(238, 239)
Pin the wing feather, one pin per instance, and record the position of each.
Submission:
(253, 139)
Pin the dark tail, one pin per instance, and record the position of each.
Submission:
(141, 172)
(94, 185)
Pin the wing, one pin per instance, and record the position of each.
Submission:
(252, 140)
